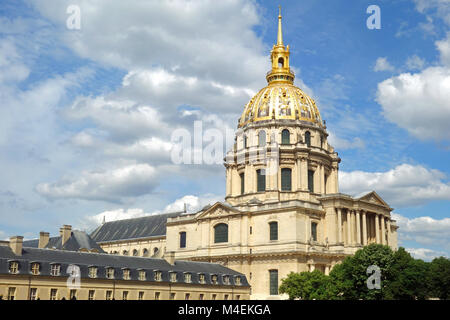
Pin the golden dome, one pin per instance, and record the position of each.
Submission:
(280, 99)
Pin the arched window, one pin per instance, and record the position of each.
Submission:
(280, 62)
(273, 229)
(135, 253)
(182, 239)
(286, 177)
(155, 251)
(285, 137)
(145, 253)
(242, 178)
(311, 180)
(308, 138)
(221, 233)
(125, 252)
(261, 180)
(262, 138)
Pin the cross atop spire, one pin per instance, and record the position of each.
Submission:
(280, 33)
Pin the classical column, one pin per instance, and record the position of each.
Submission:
(304, 174)
(349, 228)
(339, 225)
(322, 179)
(364, 228)
(358, 227)
(377, 228)
(388, 225)
(228, 187)
(311, 267)
(327, 270)
(383, 231)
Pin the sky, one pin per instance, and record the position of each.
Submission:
(88, 110)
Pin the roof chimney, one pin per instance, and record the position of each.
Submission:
(170, 257)
(15, 243)
(44, 237)
(65, 231)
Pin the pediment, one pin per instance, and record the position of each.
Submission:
(374, 198)
(217, 210)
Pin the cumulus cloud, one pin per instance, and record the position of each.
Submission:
(415, 63)
(193, 204)
(425, 231)
(405, 185)
(343, 144)
(425, 254)
(382, 64)
(113, 185)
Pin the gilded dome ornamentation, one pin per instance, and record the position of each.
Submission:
(280, 99)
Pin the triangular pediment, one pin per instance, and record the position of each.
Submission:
(217, 210)
(374, 198)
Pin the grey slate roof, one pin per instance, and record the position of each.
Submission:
(77, 241)
(144, 227)
(84, 260)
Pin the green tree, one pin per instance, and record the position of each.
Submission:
(349, 279)
(408, 278)
(306, 285)
(439, 275)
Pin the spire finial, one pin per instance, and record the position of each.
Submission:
(280, 33)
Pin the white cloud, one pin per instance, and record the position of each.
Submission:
(382, 64)
(193, 204)
(444, 49)
(343, 144)
(404, 186)
(419, 103)
(415, 63)
(113, 185)
(424, 253)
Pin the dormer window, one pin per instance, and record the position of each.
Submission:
(14, 267)
(55, 269)
(158, 276)
(110, 273)
(93, 272)
(35, 268)
(237, 281)
(187, 278)
(142, 275)
(126, 274)
(226, 279)
(201, 278)
(214, 279)
(173, 277)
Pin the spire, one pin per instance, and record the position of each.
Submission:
(280, 33)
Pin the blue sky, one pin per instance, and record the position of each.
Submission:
(87, 115)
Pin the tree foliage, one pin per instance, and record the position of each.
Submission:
(402, 278)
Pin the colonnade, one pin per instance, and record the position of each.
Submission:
(361, 227)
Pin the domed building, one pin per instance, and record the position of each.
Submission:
(283, 211)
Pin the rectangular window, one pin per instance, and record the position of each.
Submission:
(201, 296)
(157, 295)
(172, 296)
(242, 177)
(261, 180)
(183, 239)
(187, 296)
(14, 267)
(33, 293)
(286, 175)
(125, 295)
(53, 294)
(141, 295)
(35, 268)
(314, 231)
(214, 296)
(91, 294)
(73, 294)
(108, 295)
(273, 230)
(93, 272)
(273, 282)
(11, 293)
(158, 276)
(55, 269)
(238, 297)
(311, 180)
(225, 297)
